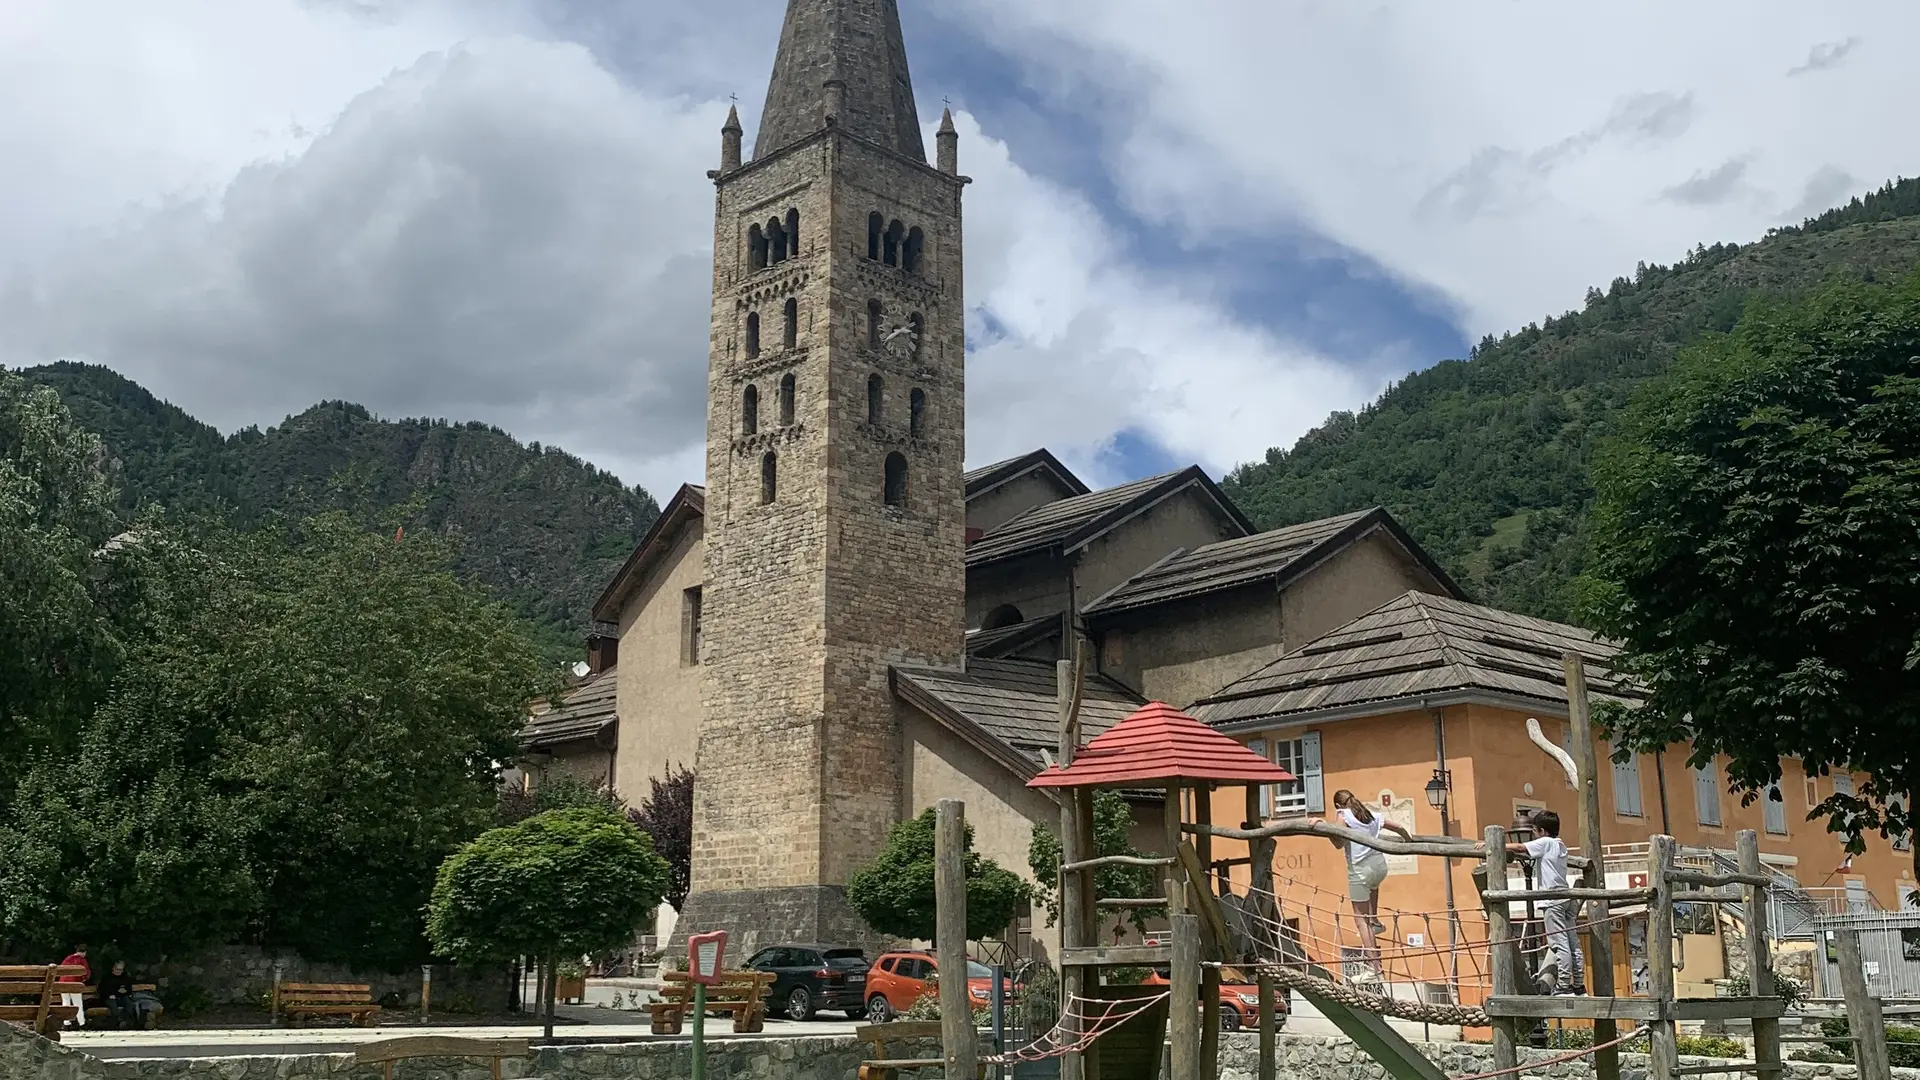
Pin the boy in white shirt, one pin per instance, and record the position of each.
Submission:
(1549, 855)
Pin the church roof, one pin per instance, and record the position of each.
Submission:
(1419, 649)
(583, 711)
(1068, 524)
(856, 44)
(1158, 746)
(987, 477)
(688, 504)
(1008, 708)
(1278, 554)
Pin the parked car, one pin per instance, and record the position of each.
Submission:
(1239, 999)
(807, 978)
(898, 979)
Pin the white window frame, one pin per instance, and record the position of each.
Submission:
(1706, 795)
(1299, 755)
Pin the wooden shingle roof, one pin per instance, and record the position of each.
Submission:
(583, 711)
(1276, 555)
(987, 477)
(1419, 647)
(1008, 708)
(1066, 524)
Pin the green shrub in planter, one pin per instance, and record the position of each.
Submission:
(1713, 1046)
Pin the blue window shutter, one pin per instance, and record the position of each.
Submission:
(1310, 756)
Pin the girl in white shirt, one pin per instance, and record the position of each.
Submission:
(1366, 868)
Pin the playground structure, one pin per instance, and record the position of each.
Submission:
(1480, 978)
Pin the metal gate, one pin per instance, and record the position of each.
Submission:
(1889, 947)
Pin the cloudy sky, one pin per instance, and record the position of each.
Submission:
(1195, 228)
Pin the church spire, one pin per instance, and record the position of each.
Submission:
(843, 59)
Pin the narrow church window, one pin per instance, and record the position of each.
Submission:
(793, 232)
(919, 326)
(753, 335)
(750, 410)
(769, 478)
(875, 226)
(876, 398)
(690, 627)
(896, 485)
(916, 411)
(791, 335)
(786, 398)
(874, 314)
(756, 248)
(890, 250)
(1003, 616)
(910, 254)
(776, 242)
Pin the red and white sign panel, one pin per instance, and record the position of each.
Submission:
(704, 955)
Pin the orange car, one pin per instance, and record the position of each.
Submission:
(1239, 1000)
(898, 979)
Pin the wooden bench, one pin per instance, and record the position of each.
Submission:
(351, 1000)
(40, 984)
(742, 993)
(387, 1051)
(883, 1067)
(103, 1012)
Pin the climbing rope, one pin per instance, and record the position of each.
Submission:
(1101, 1017)
(1560, 1060)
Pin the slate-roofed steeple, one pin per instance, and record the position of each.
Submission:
(843, 58)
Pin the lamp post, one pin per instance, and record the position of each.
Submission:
(1438, 791)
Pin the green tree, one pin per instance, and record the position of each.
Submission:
(308, 724)
(894, 893)
(1112, 835)
(1755, 550)
(561, 884)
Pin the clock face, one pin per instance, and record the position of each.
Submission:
(900, 341)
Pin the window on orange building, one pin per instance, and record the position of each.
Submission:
(1773, 810)
(1706, 793)
(1626, 788)
(1902, 841)
(1842, 783)
(1300, 756)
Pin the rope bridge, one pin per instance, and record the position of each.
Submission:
(1073, 1037)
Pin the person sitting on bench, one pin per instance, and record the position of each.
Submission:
(122, 1001)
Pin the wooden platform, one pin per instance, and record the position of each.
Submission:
(1642, 1009)
(1117, 956)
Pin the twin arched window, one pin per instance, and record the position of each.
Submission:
(775, 242)
(894, 244)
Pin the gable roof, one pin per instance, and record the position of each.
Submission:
(581, 712)
(1069, 524)
(1003, 640)
(1159, 746)
(1007, 708)
(1419, 649)
(988, 477)
(1277, 554)
(687, 505)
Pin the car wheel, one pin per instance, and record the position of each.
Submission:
(1229, 1018)
(878, 1011)
(799, 1004)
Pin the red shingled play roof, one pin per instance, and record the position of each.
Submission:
(1157, 746)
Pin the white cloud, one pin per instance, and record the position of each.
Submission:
(1510, 154)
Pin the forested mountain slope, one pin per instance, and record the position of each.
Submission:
(542, 528)
(1485, 459)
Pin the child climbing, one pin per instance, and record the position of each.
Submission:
(1549, 855)
(1366, 869)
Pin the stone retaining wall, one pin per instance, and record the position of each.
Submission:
(242, 974)
(24, 1056)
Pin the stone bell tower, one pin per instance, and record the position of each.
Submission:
(835, 513)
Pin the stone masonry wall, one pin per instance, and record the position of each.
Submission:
(24, 1056)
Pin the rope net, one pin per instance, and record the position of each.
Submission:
(1082, 1022)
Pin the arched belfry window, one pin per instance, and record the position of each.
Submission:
(786, 398)
(916, 412)
(776, 242)
(875, 313)
(910, 252)
(1001, 617)
(919, 326)
(876, 398)
(890, 248)
(895, 491)
(790, 332)
(750, 410)
(756, 249)
(793, 231)
(753, 334)
(876, 225)
(769, 478)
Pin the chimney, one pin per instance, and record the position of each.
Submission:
(603, 648)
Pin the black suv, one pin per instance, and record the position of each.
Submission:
(811, 977)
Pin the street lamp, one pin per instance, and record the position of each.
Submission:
(1437, 789)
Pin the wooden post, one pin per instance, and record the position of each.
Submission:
(1176, 876)
(1606, 1063)
(1269, 1029)
(1664, 1053)
(1209, 976)
(1073, 899)
(1260, 894)
(1501, 949)
(426, 991)
(950, 926)
(1183, 1003)
(1864, 1019)
(1766, 1031)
